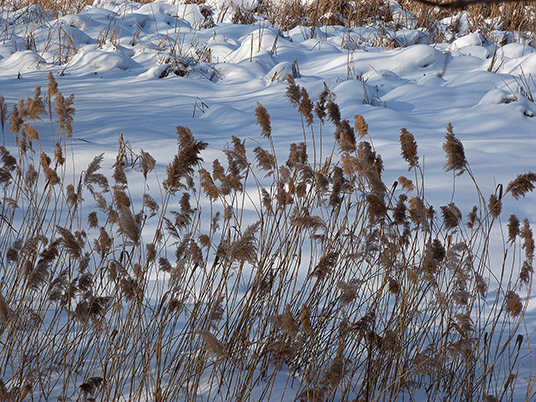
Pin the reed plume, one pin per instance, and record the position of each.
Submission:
(150, 204)
(266, 201)
(360, 126)
(73, 198)
(92, 177)
(239, 149)
(338, 186)
(513, 303)
(293, 157)
(455, 153)
(35, 106)
(513, 228)
(325, 265)
(263, 120)
(265, 160)
(494, 206)
(50, 174)
(164, 265)
(52, 90)
(70, 242)
(207, 184)
(65, 111)
(5, 395)
(528, 239)
(521, 185)
(526, 272)
(345, 136)
(334, 112)
(417, 211)
(58, 154)
(90, 385)
(348, 291)
(188, 156)
(121, 198)
(3, 113)
(15, 121)
(305, 319)
(481, 285)
(288, 323)
(293, 91)
(147, 163)
(245, 248)
(394, 286)
(5, 312)
(93, 220)
(306, 107)
(130, 225)
(472, 217)
(409, 148)
(31, 132)
(212, 345)
(451, 215)
(377, 208)
(217, 310)
(320, 105)
(119, 174)
(218, 172)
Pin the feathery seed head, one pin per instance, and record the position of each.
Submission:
(521, 185)
(409, 148)
(525, 274)
(528, 240)
(334, 113)
(360, 126)
(207, 184)
(212, 345)
(513, 228)
(454, 152)
(3, 113)
(293, 91)
(93, 220)
(494, 206)
(345, 136)
(305, 319)
(147, 163)
(513, 303)
(265, 160)
(451, 215)
(325, 265)
(306, 107)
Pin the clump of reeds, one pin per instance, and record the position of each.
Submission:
(358, 288)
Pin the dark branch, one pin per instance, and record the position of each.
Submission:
(462, 4)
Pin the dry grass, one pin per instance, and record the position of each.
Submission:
(357, 286)
(395, 297)
(285, 15)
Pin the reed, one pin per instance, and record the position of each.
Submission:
(349, 287)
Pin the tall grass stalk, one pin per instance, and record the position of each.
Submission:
(346, 287)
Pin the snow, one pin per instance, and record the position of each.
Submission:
(113, 55)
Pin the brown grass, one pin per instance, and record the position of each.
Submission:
(237, 285)
(352, 284)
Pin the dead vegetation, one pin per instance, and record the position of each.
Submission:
(357, 287)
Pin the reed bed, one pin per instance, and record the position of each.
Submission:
(340, 288)
(515, 20)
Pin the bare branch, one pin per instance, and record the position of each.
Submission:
(462, 4)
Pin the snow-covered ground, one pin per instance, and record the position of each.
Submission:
(120, 60)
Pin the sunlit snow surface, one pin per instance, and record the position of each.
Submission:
(113, 55)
